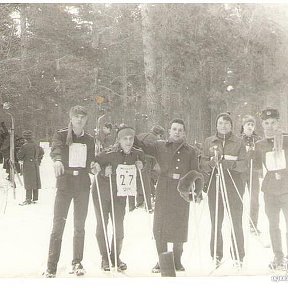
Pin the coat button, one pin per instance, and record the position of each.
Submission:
(178, 152)
(178, 160)
(177, 168)
(124, 162)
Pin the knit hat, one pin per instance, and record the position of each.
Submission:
(158, 130)
(248, 118)
(226, 116)
(27, 134)
(125, 131)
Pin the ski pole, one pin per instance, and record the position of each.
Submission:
(251, 222)
(114, 224)
(103, 221)
(143, 189)
(234, 240)
(216, 217)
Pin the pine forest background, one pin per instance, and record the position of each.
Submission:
(142, 63)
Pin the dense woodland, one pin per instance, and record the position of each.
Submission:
(141, 63)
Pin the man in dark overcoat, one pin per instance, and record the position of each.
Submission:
(175, 158)
(31, 154)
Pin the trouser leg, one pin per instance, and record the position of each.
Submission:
(61, 207)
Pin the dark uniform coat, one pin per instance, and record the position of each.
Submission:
(115, 157)
(31, 154)
(272, 185)
(171, 210)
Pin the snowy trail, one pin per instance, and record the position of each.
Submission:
(25, 232)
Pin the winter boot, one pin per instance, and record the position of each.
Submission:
(49, 273)
(105, 263)
(156, 268)
(26, 202)
(121, 266)
(78, 269)
(177, 251)
(279, 263)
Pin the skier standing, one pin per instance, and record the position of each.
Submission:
(272, 152)
(120, 163)
(73, 153)
(231, 154)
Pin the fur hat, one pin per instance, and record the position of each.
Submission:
(269, 113)
(185, 185)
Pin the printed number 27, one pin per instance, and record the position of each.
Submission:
(123, 179)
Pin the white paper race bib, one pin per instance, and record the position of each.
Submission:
(126, 180)
(77, 155)
(275, 160)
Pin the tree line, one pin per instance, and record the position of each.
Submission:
(141, 63)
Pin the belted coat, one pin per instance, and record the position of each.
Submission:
(31, 154)
(171, 210)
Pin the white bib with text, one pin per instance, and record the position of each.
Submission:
(77, 155)
(126, 180)
(275, 160)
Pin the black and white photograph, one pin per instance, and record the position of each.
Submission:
(145, 141)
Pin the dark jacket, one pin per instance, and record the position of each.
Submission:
(31, 154)
(171, 210)
(270, 183)
(60, 151)
(233, 149)
(114, 158)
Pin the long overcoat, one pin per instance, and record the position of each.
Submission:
(171, 210)
(31, 154)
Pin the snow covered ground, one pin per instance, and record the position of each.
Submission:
(25, 232)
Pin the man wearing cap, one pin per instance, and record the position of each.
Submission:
(121, 164)
(31, 154)
(225, 148)
(250, 138)
(155, 134)
(175, 158)
(272, 153)
(73, 153)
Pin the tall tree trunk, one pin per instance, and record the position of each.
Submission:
(149, 66)
(23, 53)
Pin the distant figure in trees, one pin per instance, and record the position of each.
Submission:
(105, 136)
(31, 154)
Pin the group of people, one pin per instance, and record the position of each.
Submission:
(227, 163)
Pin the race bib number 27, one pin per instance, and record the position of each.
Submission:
(126, 180)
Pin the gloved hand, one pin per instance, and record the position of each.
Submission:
(108, 171)
(95, 168)
(58, 168)
(228, 164)
(139, 164)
